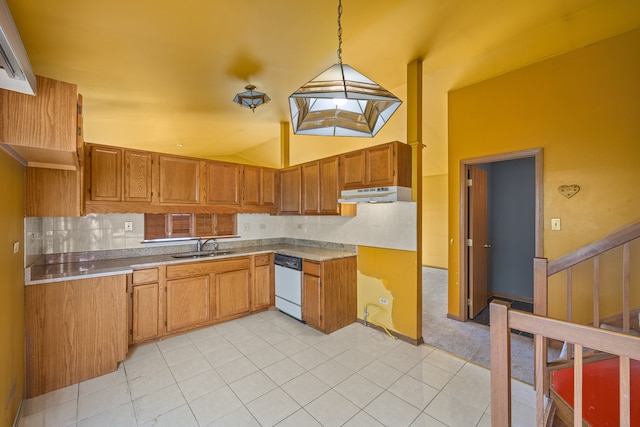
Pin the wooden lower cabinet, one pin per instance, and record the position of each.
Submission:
(233, 291)
(74, 330)
(329, 293)
(146, 319)
(145, 312)
(312, 297)
(187, 302)
(263, 294)
(206, 292)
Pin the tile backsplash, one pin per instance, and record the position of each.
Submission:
(389, 225)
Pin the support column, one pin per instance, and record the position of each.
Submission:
(414, 139)
(284, 145)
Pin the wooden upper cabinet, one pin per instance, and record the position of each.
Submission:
(43, 128)
(223, 183)
(137, 176)
(329, 185)
(106, 173)
(269, 196)
(179, 180)
(353, 169)
(260, 187)
(381, 165)
(310, 173)
(53, 192)
(252, 187)
(290, 190)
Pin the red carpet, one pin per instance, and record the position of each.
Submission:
(600, 400)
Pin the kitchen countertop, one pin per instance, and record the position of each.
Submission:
(39, 274)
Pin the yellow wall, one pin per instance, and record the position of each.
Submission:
(582, 108)
(390, 274)
(434, 221)
(11, 289)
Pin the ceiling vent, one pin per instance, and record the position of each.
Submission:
(15, 69)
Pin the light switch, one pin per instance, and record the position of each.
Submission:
(555, 224)
(16, 247)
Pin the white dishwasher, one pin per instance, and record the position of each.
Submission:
(289, 285)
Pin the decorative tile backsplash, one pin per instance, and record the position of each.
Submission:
(389, 225)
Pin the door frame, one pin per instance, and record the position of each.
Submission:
(537, 154)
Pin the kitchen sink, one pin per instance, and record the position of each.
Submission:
(201, 254)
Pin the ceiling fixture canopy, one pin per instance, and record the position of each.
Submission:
(341, 101)
(251, 98)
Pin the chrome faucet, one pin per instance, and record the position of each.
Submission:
(201, 244)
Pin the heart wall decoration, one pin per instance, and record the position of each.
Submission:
(568, 191)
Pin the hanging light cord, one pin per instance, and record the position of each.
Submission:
(339, 32)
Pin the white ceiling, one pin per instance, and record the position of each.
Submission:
(158, 73)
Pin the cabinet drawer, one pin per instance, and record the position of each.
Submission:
(207, 267)
(264, 259)
(145, 276)
(311, 267)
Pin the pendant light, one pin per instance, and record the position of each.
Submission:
(341, 101)
(251, 98)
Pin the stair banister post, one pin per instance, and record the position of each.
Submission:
(500, 365)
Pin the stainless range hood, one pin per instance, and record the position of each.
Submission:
(376, 195)
(15, 69)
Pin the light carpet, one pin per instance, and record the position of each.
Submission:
(467, 340)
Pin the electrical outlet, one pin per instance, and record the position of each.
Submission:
(247, 227)
(555, 224)
(384, 301)
(128, 226)
(16, 247)
(299, 226)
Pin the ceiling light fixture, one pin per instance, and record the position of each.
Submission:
(341, 101)
(251, 98)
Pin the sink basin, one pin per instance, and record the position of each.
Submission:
(201, 254)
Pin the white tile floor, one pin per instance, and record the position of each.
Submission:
(268, 369)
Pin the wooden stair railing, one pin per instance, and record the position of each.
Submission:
(542, 269)
(504, 319)
(607, 341)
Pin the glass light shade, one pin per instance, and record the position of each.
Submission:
(251, 98)
(341, 102)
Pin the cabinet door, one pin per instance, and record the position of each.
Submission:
(53, 192)
(233, 293)
(223, 183)
(263, 285)
(269, 192)
(137, 176)
(47, 120)
(145, 312)
(179, 180)
(290, 189)
(187, 302)
(251, 187)
(380, 161)
(77, 330)
(311, 188)
(312, 301)
(106, 173)
(329, 186)
(353, 169)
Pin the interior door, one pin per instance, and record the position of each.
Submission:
(477, 240)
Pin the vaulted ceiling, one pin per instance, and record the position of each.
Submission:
(161, 74)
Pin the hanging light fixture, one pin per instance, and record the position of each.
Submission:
(341, 101)
(251, 98)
